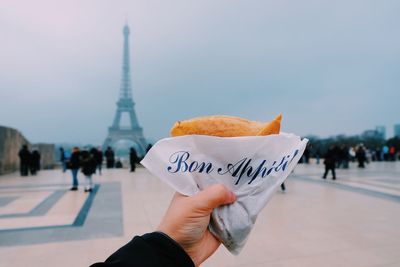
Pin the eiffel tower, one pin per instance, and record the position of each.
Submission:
(125, 104)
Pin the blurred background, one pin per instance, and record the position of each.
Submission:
(95, 74)
(331, 68)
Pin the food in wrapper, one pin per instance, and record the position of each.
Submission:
(252, 167)
(225, 126)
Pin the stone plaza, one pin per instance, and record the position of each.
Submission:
(353, 221)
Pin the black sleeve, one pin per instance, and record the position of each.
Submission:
(150, 250)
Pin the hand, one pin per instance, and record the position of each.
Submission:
(187, 218)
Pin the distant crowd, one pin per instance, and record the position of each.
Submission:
(339, 156)
(344, 154)
(90, 161)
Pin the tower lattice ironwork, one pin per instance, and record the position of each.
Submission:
(125, 104)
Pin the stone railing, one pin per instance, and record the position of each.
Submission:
(11, 141)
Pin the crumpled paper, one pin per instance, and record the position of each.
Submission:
(253, 167)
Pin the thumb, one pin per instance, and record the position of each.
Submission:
(214, 196)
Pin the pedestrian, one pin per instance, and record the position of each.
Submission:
(118, 164)
(361, 156)
(318, 155)
(99, 159)
(133, 159)
(63, 159)
(97, 155)
(352, 153)
(378, 154)
(35, 162)
(344, 156)
(336, 153)
(74, 165)
(283, 187)
(110, 157)
(330, 162)
(339, 152)
(392, 153)
(88, 164)
(385, 152)
(24, 157)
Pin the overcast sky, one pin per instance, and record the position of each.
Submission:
(330, 67)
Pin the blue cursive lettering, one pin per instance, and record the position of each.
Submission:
(180, 163)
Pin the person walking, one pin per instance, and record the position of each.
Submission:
(118, 164)
(97, 155)
(330, 162)
(344, 156)
(392, 153)
(35, 162)
(74, 165)
(318, 155)
(24, 157)
(283, 187)
(63, 159)
(99, 159)
(110, 158)
(361, 156)
(385, 152)
(88, 164)
(133, 159)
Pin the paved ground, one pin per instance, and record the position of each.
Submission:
(353, 221)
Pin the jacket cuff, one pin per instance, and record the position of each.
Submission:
(169, 248)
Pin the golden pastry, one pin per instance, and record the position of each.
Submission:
(225, 126)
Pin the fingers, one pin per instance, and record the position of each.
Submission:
(214, 196)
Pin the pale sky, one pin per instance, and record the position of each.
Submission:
(331, 67)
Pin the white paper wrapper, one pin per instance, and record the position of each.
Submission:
(252, 167)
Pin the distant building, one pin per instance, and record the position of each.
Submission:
(372, 134)
(397, 130)
(369, 134)
(381, 130)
